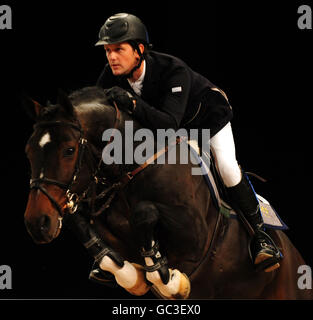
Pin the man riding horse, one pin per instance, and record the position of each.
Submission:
(161, 91)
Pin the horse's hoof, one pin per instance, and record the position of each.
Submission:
(141, 287)
(165, 292)
(184, 288)
(103, 277)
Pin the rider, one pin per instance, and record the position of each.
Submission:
(166, 93)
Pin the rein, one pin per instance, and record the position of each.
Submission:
(73, 199)
(127, 177)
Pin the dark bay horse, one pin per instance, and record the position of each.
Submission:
(196, 239)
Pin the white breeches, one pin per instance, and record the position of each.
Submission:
(223, 149)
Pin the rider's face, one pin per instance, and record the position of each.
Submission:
(122, 57)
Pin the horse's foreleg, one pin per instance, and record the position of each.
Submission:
(130, 276)
(170, 284)
(127, 275)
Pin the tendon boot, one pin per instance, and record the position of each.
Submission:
(155, 262)
(167, 283)
(111, 267)
(86, 234)
(263, 251)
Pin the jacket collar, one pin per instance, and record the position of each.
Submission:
(151, 78)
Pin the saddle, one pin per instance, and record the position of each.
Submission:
(220, 199)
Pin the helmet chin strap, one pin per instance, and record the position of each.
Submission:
(131, 72)
(129, 75)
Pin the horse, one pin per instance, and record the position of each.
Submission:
(210, 249)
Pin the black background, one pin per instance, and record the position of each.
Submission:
(254, 52)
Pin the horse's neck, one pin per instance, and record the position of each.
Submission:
(95, 118)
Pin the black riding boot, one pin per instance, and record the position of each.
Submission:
(86, 234)
(263, 250)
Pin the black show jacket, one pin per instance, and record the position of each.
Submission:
(174, 96)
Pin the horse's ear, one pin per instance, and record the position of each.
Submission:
(65, 102)
(31, 107)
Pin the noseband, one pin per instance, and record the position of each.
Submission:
(72, 198)
(38, 183)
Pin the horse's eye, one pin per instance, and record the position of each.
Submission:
(68, 152)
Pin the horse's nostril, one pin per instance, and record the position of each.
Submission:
(45, 223)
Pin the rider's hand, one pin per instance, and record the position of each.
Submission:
(124, 100)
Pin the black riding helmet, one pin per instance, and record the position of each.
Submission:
(123, 27)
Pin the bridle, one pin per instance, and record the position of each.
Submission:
(71, 197)
(38, 183)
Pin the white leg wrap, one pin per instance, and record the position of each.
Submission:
(130, 276)
(126, 276)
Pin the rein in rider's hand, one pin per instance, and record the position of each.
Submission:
(125, 100)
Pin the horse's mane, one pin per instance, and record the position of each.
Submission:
(81, 99)
(88, 95)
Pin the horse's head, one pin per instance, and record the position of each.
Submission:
(54, 151)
